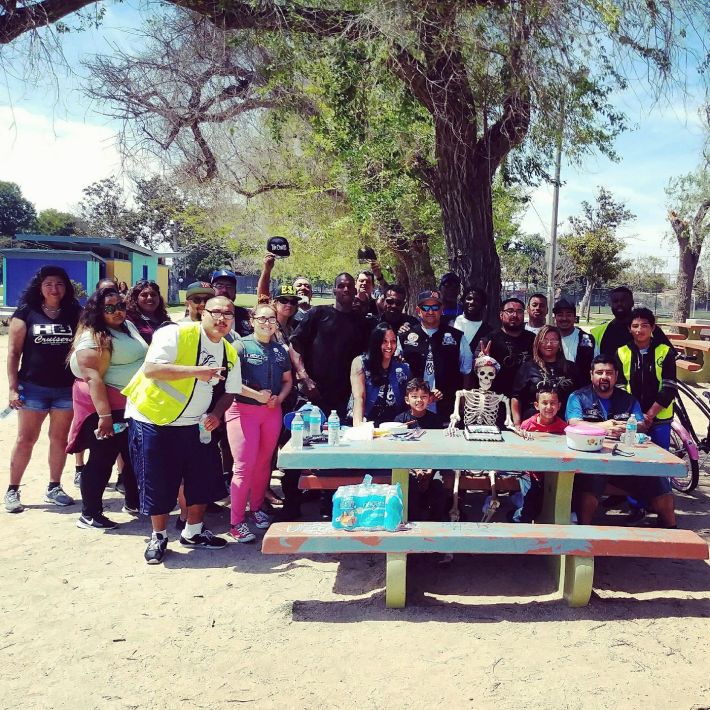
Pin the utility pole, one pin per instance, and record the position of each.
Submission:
(552, 261)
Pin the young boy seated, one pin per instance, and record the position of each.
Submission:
(547, 405)
(427, 496)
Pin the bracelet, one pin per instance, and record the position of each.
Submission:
(105, 416)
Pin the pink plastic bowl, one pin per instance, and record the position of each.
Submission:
(585, 437)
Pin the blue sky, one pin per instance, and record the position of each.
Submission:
(53, 142)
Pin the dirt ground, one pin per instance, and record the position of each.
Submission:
(85, 623)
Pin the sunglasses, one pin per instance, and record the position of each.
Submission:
(288, 301)
(430, 307)
(221, 315)
(110, 308)
(199, 299)
(394, 302)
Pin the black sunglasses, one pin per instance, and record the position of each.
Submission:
(111, 308)
(289, 301)
(394, 302)
(199, 299)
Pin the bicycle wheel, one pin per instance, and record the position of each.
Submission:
(690, 483)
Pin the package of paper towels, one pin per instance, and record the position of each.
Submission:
(368, 506)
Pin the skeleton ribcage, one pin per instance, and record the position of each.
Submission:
(480, 407)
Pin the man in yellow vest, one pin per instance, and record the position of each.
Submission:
(168, 403)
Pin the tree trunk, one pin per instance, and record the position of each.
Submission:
(413, 270)
(687, 264)
(586, 303)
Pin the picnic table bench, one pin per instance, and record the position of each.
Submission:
(572, 548)
(693, 372)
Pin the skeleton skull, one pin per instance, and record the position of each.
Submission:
(486, 375)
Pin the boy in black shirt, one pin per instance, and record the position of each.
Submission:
(427, 497)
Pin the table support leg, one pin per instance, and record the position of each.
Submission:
(401, 476)
(396, 580)
(574, 574)
(578, 578)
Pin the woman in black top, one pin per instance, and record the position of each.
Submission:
(548, 365)
(40, 381)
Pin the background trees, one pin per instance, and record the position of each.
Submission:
(17, 214)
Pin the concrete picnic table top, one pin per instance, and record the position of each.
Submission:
(546, 452)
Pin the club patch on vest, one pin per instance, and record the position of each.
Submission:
(412, 339)
(448, 339)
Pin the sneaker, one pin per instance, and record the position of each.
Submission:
(77, 479)
(128, 509)
(99, 522)
(635, 516)
(157, 547)
(261, 519)
(58, 497)
(12, 502)
(204, 539)
(180, 524)
(241, 533)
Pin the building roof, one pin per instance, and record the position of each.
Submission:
(74, 241)
(47, 252)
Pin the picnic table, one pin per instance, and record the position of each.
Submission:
(694, 330)
(693, 372)
(572, 547)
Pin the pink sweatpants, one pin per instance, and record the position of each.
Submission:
(253, 432)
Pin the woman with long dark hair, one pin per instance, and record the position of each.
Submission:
(145, 308)
(108, 350)
(41, 332)
(378, 379)
(548, 365)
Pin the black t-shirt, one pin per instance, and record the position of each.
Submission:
(510, 352)
(530, 375)
(47, 344)
(329, 340)
(430, 420)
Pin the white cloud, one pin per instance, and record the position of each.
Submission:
(52, 160)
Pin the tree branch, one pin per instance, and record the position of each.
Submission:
(14, 22)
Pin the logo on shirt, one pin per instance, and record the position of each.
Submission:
(255, 358)
(585, 341)
(279, 354)
(52, 333)
(412, 339)
(448, 339)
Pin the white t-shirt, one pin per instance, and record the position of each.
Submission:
(532, 328)
(569, 345)
(163, 350)
(469, 328)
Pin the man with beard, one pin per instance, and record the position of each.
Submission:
(471, 322)
(609, 407)
(510, 345)
(224, 283)
(611, 336)
(198, 293)
(578, 346)
(393, 308)
(437, 353)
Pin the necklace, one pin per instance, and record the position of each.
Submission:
(51, 311)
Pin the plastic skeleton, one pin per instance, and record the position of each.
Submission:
(480, 408)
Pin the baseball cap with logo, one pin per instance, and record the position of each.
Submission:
(278, 246)
(199, 288)
(223, 274)
(429, 296)
(285, 291)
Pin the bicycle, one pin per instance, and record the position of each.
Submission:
(685, 442)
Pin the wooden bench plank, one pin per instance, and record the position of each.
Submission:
(688, 365)
(313, 481)
(487, 538)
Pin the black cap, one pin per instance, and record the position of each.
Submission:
(450, 276)
(365, 254)
(278, 246)
(429, 296)
(563, 305)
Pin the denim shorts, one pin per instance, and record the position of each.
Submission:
(163, 457)
(42, 399)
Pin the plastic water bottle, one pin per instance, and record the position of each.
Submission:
(297, 426)
(205, 436)
(333, 428)
(632, 427)
(6, 412)
(314, 422)
(118, 427)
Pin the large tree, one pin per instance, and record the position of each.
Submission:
(489, 73)
(17, 214)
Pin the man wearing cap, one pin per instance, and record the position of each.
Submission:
(198, 293)
(578, 346)
(511, 345)
(224, 283)
(437, 353)
(450, 288)
(537, 312)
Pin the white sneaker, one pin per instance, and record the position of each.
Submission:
(12, 502)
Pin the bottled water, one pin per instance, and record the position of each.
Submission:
(6, 412)
(314, 422)
(632, 427)
(297, 426)
(333, 429)
(205, 436)
(118, 427)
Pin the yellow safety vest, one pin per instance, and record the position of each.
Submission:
(598, 332)
(163, 402)
(625, 355)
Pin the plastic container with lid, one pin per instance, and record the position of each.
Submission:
(585, 437)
